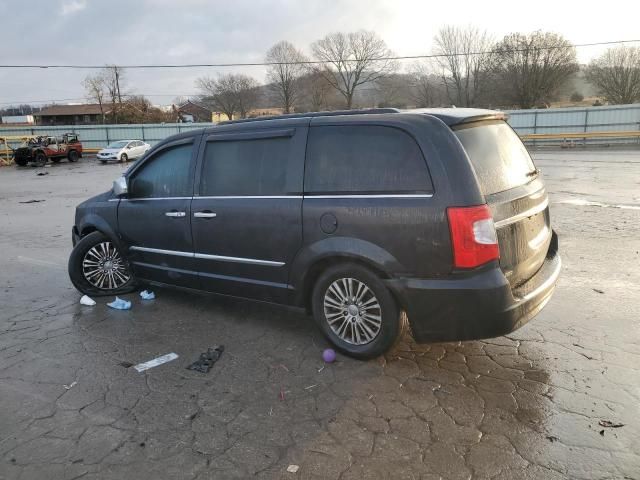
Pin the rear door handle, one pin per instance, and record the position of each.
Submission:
(175, 214)
(205, 214)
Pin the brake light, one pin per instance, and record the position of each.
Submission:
(473, 236)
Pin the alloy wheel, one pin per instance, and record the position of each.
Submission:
(352, 311)
(104, 268)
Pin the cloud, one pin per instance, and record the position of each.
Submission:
(73, 6)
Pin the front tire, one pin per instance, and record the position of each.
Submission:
(96, 267)
(356, 311)
(124, 158)
(73, 156)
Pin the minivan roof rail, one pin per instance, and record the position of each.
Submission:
(314, 114)
(450, 116)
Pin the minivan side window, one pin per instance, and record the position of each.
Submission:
(364, 159)
(167, 174)
(246, 167)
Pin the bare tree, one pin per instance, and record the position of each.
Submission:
(230, 93)
(464, 59)
(180, 100)
(392, 91)
(616, 74)
(352, 59)
(531, 68)
(425, 87)
(138, 109)
(284, 73)
(314, 92)
(95, 90)
(112, 79)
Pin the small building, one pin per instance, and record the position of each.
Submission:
(191, 112)
(84, 114)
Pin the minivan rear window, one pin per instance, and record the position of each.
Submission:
(364, 159)
(497, 154)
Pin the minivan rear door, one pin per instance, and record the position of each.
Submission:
(246, 214)
(514, 191)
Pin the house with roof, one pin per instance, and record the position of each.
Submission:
(84, 114)
(191, 112)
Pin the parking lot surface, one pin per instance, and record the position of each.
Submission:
(545, 402)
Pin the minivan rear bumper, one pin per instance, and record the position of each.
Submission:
(482, 305)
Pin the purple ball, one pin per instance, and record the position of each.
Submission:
(329, 355)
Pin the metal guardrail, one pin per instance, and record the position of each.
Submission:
(573, 135)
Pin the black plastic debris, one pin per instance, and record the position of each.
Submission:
(207, 359)
(32, 201)
(610, 424)
(41, 174)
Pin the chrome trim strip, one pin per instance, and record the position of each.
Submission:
(528, 213)
(205, 256)
(251, 261)
(162, 252)
(232, 197)
(408, 195)
(155, 198)
(236, 197)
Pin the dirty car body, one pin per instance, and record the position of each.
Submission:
(42, 148)
(439, 213)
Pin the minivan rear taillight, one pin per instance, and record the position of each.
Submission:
(473, 236)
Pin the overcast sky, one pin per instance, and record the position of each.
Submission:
(214, 31)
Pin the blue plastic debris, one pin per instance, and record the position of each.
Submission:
(120, 304)
(147, 295)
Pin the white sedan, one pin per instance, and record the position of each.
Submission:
(123, 150)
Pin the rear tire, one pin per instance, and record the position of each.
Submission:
(73, 156)
(40, 159)
(21, 162)
(362, 328)
(87, 264)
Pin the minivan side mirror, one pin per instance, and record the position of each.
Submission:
(120, 186)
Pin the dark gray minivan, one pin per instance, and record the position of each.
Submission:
(356, 216)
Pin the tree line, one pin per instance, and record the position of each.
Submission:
(468, 68)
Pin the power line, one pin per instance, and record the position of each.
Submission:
(319, 62)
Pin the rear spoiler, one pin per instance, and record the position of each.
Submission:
(482, 118)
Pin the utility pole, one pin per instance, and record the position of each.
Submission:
(117, 71)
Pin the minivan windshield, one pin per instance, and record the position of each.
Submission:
(120, 144)
(497, 154)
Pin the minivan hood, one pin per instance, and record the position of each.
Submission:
(102, 197)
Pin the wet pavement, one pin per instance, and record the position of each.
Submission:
(525, 406)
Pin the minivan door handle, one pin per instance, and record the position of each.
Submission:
(175, 214)
(204, 214)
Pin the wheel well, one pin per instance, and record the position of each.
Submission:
(320, 266)
(87, 230)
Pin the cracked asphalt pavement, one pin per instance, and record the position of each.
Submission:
(525, 406)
